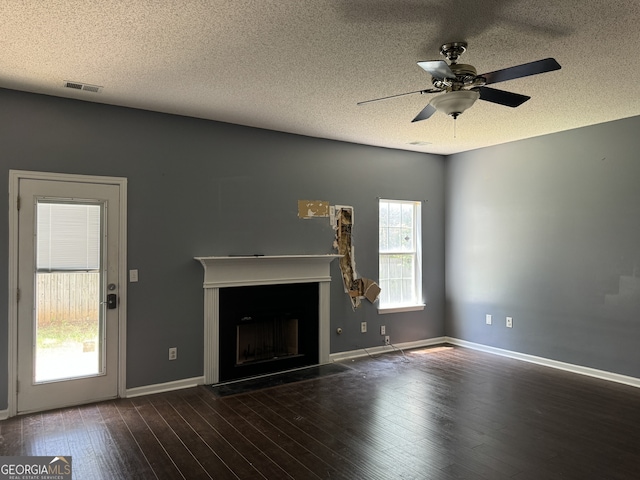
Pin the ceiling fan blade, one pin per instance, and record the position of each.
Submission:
(524, 70)
(437, 69)
(429, 90)
(503, 98)
(425, 113)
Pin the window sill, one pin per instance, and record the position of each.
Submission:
(399, 309)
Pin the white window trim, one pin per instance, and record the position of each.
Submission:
(410, 307)
(400, 309)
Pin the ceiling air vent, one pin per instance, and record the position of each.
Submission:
(82, 86)
(421, 143)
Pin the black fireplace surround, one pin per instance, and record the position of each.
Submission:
(267, 328)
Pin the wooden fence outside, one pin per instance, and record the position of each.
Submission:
(69, 297)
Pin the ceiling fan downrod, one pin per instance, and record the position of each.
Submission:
(453, 51)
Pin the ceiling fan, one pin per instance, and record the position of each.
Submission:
(460, 86)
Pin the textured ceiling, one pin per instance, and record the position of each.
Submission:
(301, 66)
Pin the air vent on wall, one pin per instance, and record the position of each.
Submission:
(82, 86)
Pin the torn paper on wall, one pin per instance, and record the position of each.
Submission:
(356, 288)
(370, 289)
(313, 208)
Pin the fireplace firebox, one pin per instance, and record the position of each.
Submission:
(267, 328)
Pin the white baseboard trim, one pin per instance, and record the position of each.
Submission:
(335, 357)
(4, 414)
(164, 387)
(569, 367)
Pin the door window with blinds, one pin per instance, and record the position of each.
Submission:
(400, 271)
(68, 279)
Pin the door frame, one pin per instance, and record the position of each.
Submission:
(14, 180)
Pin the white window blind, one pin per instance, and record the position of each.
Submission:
(68, 236)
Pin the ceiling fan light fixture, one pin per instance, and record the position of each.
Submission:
(456, 102)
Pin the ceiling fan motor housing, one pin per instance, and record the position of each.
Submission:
(465, 76)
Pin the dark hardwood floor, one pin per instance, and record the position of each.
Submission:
(439, 413)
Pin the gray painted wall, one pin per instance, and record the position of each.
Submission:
(199, 188)
(547, 230)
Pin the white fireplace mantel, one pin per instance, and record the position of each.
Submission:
(265, 270)
(221, 272)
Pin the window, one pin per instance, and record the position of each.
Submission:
(400, 272)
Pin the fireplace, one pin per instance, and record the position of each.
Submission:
(267, 328)
(264, 314)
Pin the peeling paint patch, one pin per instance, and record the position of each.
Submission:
(356, 288)
(313, 208)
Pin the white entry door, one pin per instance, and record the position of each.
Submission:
(68, 293)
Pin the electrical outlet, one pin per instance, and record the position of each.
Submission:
(173, 353)
(363, 327)
(383, 330)
(509, 322)
(387, 341)
(488, 319)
